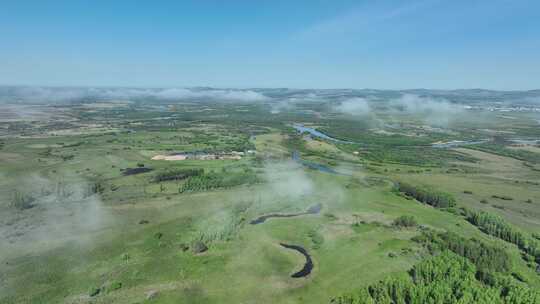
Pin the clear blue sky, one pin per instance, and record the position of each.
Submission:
(304, 44)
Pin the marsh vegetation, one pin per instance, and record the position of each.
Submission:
(358, 207)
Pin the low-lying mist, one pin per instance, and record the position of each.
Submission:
(354, 106)
(287, 179)
(73, 94)
(60, 210)
(433, 111)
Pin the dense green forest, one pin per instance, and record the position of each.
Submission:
(445, 278)
(176, 174)
(212, 180)
(487, 258)
(497, 227)
(427, 195)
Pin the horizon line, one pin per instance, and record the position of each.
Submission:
(261, 88)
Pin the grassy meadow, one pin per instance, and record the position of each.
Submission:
(85, 219)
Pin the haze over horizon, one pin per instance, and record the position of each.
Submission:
(244, 44)
(270, 151)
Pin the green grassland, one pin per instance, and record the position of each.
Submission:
(94, 234)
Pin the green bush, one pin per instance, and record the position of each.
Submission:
(316, 238)
(94, 291)
(114, 286)
(21, 201)
(198, 247)
(405, 221)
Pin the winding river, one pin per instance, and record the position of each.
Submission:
(312, 165)
(529, 142)
(302, 129)
(458, 143)
(315, 209)
(308, 266)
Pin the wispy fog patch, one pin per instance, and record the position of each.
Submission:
(285, 105)
(51, 95)
(354, 106)
(288, 179)
(436, 111)
(43, 94)
(230, 95)
(530, 100)
(288, 186)
(62, 211)
(183, 93)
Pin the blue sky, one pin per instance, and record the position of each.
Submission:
(303, 44)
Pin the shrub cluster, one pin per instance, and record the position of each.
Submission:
(405, 221)
(21, 201)
(176, 174)
(209, 181)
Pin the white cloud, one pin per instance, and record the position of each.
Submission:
(64, 210)
(435, 111)
(354, 106)
(44, 94)
(230, 95)
(285, 105)
(288, 179)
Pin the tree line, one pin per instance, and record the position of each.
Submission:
(445, 278)
(488, 259)
(427, 195)
(460, 270)
(176, 174)
(498, 227)
(212, 180)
